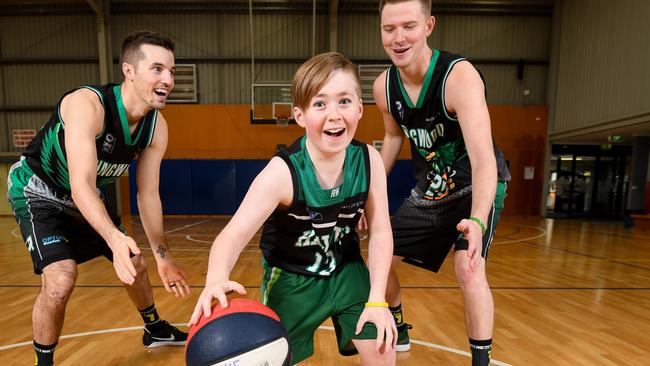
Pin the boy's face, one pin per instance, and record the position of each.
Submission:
(153, 76)
(332, 116)
(404, 31)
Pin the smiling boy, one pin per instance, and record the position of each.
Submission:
(311, 197)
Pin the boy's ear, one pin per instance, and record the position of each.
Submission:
(360, 108)
(298, 115)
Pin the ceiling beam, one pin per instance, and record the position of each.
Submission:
(97, 6)
(333, 25)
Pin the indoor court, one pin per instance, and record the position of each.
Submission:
(577, 291)
(567, 88)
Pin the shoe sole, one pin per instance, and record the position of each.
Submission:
(403, 347)
(163, 344)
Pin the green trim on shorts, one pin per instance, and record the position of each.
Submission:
(267, 285)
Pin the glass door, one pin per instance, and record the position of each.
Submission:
(587, 181)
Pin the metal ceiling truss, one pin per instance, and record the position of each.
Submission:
(475, 7)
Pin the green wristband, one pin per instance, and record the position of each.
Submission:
(479, 222)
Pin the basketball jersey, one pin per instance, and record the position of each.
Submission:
(316, 234)
(441, 165)
(116, 146)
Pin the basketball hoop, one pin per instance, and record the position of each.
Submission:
(282, 121)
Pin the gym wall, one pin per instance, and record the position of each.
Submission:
(46, 50)
(214, 153)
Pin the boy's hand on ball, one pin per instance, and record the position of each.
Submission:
(217, 291)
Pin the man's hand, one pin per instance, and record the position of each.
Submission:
(122, 247)
(173, 276)
(383, 321)
(218, 291)
(474, 236)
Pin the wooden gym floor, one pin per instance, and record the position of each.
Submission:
(567, 292)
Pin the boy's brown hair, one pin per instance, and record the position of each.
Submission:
(316, 72)
(426, 5)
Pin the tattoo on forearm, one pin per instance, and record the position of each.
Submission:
(161, 250)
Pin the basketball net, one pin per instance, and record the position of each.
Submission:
(282, 121)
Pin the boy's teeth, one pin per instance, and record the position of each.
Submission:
(336, 132)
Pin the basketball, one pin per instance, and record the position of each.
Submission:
(245, 333)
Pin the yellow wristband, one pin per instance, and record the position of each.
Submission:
(376, 304)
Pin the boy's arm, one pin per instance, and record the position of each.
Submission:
(393, 135)
(465, 96)
(380, 253)
(171, 273)
(272, 187)
(83, 116)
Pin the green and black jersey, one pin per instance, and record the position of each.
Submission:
(116, 146)
(316, 234)
(440, 161)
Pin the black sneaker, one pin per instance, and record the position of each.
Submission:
(403, 341)
(166, 335)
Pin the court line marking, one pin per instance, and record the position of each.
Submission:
(542, 233)
(438, 347)
(186, 226)
(14, 232)
(115, 330)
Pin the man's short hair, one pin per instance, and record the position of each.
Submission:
(131, 52)
(316, 72)
(426, 5)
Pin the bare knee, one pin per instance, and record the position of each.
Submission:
(469, 280)
(370, 355)
(59, 279)
(384, 358)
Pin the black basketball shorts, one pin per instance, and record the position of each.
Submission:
(51, 225)
(424, 231)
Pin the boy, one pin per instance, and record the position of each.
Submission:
(438, 100)
(313, 195)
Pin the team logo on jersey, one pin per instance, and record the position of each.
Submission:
(400, 109)
(335, 192)
(109, 143)
(316, 216)
(432, 118)
(442, 174)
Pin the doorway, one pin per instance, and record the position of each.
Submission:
(588, 181)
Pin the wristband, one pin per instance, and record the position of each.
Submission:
(376, 304)
(479, 222)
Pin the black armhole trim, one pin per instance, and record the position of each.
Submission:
(366, 159)
(294, 179)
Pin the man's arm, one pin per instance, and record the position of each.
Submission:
(465, 96)
(272, 187)
(393, 135)
(380, 253)
(83, 116)
(173, 275)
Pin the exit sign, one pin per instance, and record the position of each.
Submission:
(615, 138)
